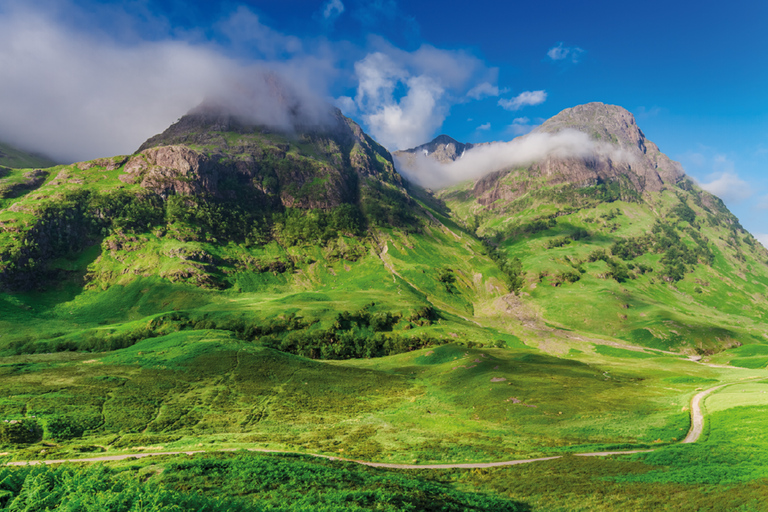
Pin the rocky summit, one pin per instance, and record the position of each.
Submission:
(442, 148)
(622, 156)
(213, 151)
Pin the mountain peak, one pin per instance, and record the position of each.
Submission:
(442, 148)
(604, 123)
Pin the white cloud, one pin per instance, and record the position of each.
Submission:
(483, 90)
(243, 28)
(484, 127)
(727, 186)
(524, 99)
(724, 181)
(521, 126)
(482, 160)
(763, 239)
(333, 9)
(403, 97)
(77, 95)
(347, 105)
(562, 53)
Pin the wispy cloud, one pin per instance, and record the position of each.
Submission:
(561, 53)
(727, 186)
(724, 182)
(482, 160)
(243, 28)
(332, 9)
(484, 127)
(524, 99)
(484, 90)
(521, 126)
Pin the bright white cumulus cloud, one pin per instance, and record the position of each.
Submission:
(403, 97)
(524, 99)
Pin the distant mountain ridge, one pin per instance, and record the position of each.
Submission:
(442, 148)
(13, 157)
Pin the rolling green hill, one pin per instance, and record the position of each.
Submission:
(231, 285)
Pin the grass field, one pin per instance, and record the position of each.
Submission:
(726, 470)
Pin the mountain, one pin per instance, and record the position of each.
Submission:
(221, 204)
(442, 149)
(245, 283)
(15, 158)
(619, 241)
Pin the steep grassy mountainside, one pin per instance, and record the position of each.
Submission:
(245, 228)
(17, 159)
(623, 247)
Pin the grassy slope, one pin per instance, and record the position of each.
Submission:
(715, 306)
(15, 158)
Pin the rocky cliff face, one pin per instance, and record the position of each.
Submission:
(650, 169)
(212, 152)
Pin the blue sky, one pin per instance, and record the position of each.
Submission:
(90, 78)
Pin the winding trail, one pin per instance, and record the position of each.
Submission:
(697, 417)
(697, 426)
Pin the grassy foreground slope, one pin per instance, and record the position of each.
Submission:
(725, 471)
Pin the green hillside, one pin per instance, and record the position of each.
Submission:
(668, 268)
(18, 159)
(230, 286)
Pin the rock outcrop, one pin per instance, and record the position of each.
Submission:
(442, 148)
(212, 152)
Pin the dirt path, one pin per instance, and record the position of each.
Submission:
(697, 417)
(697, 425)
(469, 465)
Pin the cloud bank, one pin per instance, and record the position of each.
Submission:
(78, 96)
(522, 151)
